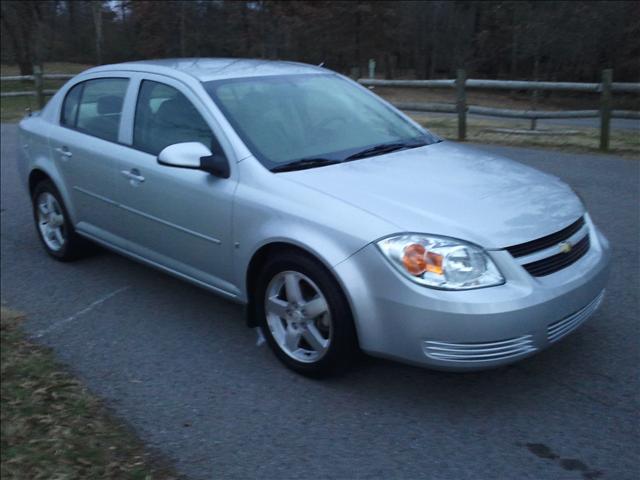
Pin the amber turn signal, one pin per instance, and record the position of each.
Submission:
(434, 263)
(413, 259)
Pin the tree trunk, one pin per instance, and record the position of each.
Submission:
(183, 41)
(20, 41)
(514, 43)
(96, 8)
(358, 41)
(26, 67)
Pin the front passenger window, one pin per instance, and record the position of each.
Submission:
(164, 116)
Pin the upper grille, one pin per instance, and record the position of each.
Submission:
(552, 264)
(545, 242)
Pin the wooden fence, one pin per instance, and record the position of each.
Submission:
(605, 88)
(38, 79)
(461, 83)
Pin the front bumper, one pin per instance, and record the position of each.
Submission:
(473, 329)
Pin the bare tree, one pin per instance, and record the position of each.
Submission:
(17, 21)
(559, 40)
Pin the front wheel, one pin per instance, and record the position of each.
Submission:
(305, 315)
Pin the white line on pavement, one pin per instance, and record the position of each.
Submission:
(64, 321)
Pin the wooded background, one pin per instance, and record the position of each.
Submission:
(542, 40)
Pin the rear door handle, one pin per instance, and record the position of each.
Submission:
(64, 151)
(133, 175)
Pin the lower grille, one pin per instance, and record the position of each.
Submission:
(478, 352)
(559, 329)
(552, 264)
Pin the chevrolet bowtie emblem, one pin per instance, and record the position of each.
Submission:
(565, 247)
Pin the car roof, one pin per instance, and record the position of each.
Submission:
(207, 69)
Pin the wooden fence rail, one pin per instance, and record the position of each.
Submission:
(38, 79)
(606, 88)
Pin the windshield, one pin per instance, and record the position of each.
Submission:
(285, 119)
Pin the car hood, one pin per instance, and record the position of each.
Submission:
(452, 190)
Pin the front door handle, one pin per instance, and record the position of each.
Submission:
(133, 175)
(64, 151)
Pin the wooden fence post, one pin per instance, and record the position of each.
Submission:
(605, 108)
(372, 68)
(37, 80)
(534, 107)
(461, 103)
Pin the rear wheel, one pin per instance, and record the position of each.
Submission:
(305, 315)
(53, 225)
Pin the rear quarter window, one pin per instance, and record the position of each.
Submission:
(70, 106)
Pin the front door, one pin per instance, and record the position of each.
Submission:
(177, 218)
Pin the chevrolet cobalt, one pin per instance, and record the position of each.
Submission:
(339, 222)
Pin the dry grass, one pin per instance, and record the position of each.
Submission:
(52, 428)
(12, 109)
(584, 140)
(625, 143)
(520, 100)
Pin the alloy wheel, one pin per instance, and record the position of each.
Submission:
(298, 316)
(51, 221)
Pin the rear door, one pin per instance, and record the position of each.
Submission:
(85, 148)
(177, 218)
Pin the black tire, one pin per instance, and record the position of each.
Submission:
(343, 345)
(74, 246)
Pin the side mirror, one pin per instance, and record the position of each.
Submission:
(195, 156)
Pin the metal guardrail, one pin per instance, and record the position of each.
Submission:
(605, 88)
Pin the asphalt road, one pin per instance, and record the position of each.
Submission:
(179, 365)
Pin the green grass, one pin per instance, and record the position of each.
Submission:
(52, 428)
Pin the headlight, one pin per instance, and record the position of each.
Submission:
(441, 262)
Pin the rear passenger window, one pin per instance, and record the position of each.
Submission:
(99, 108)
(164, 116)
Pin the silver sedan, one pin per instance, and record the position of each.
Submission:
(339, 222)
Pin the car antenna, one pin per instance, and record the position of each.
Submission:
(321, 64)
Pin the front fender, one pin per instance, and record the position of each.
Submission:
(269, 208)
(325, 248)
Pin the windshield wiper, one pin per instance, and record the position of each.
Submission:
(384, 148)
(303, 164)
(368, 152)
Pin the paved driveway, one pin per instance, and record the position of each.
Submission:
(180, 366)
